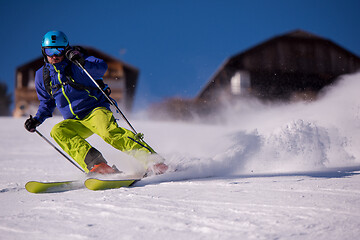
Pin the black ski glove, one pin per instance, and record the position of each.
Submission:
(31, 124)
(75, 56)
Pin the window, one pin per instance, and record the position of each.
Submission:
(240, 83)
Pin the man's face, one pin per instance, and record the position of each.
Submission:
(55, 59)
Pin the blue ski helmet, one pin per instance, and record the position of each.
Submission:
(54, 39)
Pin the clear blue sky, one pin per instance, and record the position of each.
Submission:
(177, 45)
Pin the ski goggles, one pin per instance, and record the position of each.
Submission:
(59, 51)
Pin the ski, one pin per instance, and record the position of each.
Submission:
(50, 187)
(99, 184)
(93, 183)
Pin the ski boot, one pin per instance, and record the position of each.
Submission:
(97, 164)
(156, 169)
(103, 168)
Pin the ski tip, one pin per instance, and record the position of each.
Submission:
(44, 187)
(31, 187)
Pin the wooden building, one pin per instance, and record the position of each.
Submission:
(293, 66)
(121, 78)
(296, 65)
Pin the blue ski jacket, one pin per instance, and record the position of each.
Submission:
(73, 103)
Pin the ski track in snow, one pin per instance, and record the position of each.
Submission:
(261, 172)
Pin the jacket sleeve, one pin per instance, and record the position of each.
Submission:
(47, 103)
(95, 66)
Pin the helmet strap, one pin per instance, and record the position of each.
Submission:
(44, 55)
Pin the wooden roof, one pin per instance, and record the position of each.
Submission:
(297, 52)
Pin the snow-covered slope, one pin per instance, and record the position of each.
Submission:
(265, 172)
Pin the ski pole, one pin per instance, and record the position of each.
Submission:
(43, 137)
(108, 98)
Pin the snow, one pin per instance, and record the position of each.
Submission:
(261, 172)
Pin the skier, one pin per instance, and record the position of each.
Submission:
(63, 84)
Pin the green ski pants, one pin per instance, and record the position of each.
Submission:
(70, 134)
